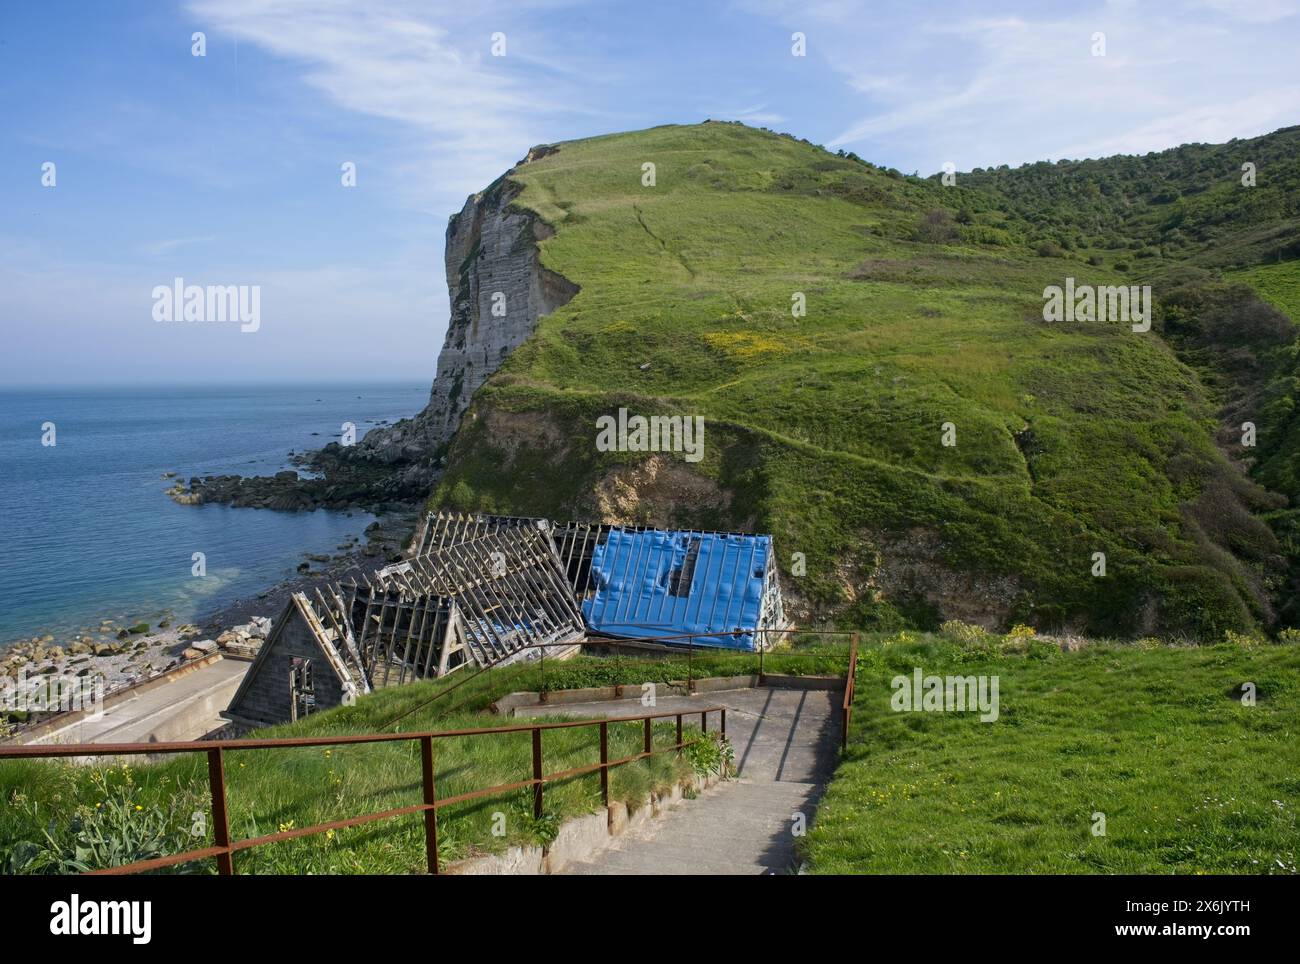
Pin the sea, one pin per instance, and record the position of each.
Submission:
(87, 533)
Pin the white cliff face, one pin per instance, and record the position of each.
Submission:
(498, 290)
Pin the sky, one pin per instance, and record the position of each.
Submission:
(227, 168)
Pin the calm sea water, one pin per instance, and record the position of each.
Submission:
(87, 533)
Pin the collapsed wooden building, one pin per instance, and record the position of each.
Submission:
(483, 600)
(645, 582)
(482, 590)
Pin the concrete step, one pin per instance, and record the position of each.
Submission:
(737, 827)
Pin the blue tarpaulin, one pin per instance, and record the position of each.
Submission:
(672, 583)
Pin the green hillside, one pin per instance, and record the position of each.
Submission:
(1180, 206)
(1190, 779)
(924, 307)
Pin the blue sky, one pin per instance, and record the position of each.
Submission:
(225, 169)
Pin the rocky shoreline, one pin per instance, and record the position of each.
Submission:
(386, 538)
(124, 652)
(366, 476)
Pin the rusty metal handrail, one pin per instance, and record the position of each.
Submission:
(224, 848)
(850, 689)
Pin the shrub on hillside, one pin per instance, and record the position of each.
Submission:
(936, 227)
(1244, 640)
(983, 234)
(1021, 639)
(966, 634)
(462, 497)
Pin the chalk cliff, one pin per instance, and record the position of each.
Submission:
(498, 289)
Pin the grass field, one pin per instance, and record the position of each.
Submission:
(1278, 284)
(1157, 739)
(281, 789)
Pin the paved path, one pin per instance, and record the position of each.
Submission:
(786, 743)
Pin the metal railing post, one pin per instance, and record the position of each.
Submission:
(648, 737)
(537, 773)
(690, 665)
(679, 734)
(431, 801)
(722, 722)
(220, 819)
(850, 687)
(604, 762)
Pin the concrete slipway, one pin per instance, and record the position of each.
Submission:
(182, 705)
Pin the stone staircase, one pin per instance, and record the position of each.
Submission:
(786, 744)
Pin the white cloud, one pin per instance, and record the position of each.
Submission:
(989, 89)
(758, 114)
(171, 245)
(425, 66)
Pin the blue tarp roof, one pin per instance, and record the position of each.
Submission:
(671, 583)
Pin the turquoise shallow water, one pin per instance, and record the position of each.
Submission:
(87, 532)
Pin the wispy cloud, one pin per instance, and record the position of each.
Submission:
(979, 89)
(171, 245)
(757, 114)
(426, 66)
